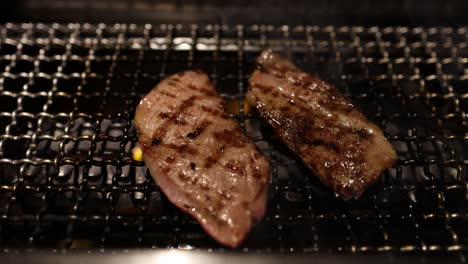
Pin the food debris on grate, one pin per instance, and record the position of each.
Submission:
(71, 177)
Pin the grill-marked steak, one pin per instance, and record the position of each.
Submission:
(199, 157)
(322, 127)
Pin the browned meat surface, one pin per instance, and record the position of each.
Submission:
(323, 128)
(199, 157)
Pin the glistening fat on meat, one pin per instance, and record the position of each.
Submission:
(199, 157)
(344, 149)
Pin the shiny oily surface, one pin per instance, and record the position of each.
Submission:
(200, 158)
(68, 179)
(344, 149)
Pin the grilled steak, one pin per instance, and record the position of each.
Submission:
(199, 157)
(323, 128)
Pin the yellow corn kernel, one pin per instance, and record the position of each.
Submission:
(137, 154)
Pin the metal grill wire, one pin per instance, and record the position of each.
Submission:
(68, 94)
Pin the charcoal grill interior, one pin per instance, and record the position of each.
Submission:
(68, 179)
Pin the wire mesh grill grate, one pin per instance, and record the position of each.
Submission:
(68, 94)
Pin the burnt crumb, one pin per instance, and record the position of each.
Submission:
(199, 130)
(170, 159)
(192, 135)
(155, 141)
(363, 134)
(221, 148)
(192, 165)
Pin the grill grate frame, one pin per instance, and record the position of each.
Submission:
(68, 94)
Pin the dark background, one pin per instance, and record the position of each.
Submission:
(320, 12)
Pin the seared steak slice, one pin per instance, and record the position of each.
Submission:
(322, 127)
(199, 157)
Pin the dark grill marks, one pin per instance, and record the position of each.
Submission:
(155, 141)
(165, 115)
(330, 145)
(289, 99)
(320, 125)
(301, 128)
(171, 117)
(204, 91)
(207, 177)
(182, 149)
(312, 86)
(175, 117)
(213, 111)
(226, 138)
(230, 138)
(198, 130)
(168, 94)
(186, 104)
